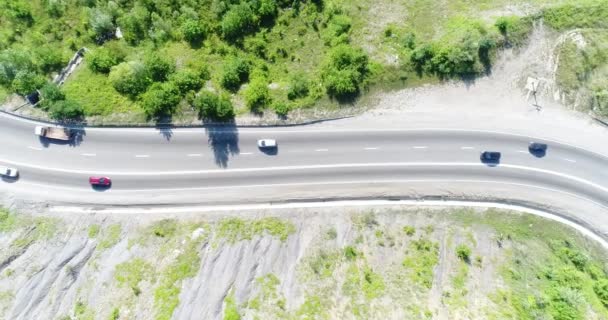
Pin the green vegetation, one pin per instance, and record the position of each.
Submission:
(166, 295)
(235, 229)
(421, 260)
(231, 311)
(83, 312)
(307, 50)
(37, 228)
(464, 253)
(115, 315)
(131, 273)
(94, 231)
(110, 236)
(213, 107)
(409, 230)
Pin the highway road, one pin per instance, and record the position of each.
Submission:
(195, 161)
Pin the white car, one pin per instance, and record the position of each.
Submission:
(8, 172)
(267, 143)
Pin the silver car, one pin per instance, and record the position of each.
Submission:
(8, 172)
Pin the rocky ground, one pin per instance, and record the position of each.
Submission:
(327, 263)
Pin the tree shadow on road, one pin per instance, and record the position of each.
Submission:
(224, 141)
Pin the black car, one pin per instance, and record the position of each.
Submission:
(490, 157)
(538, 149)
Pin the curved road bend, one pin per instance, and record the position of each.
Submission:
(140, 160)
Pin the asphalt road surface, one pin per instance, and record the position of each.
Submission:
(194, 161)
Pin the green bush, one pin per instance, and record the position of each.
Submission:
(257, 96)
(103, 59)
(26, 82)
(601, 290)
(130, 78)
(66, 110)
(158, 67)
(345, 71)
(281, 108)
(193, 31)
(514, 28)
(298, 87)
(101, 25)
(161, 99)
(12, 62)
(464, 253)
(238, 21)
(49, 59)
(135, 24)
(187, 80)
(235, 72)
(350, 253)
(213, 107)
(50, 94)
(337, 30)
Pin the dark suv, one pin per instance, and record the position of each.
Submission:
(537, 149)
(490, 157)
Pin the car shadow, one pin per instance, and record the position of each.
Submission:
(101, 188)
(539, 153)
(224, 141)
(270, 151)
(10, 179)
(491, 163)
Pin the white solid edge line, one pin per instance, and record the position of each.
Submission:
(355, 203)
(328, 166)
(88, 154)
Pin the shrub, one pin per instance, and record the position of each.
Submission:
(103, 59)
(49, 59)
(236, 71)
(213, 107)
(12, 62)
(464, 253)
(257, 95)
(350, 253)
(158, 67)
(281, 108)
(345, 70)
(193, 31)
(50, 94)
(601, 290)
(187, 80)
(135, 24)
(298, 87)
(238, 21)
(66, 110)
(409, 230)
(129, 78)
(26, 82)
(267, 9)
(161, 99)
(337, 30)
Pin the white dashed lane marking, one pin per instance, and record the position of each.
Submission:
(321, 150)
(371, 148)
(420, 147)
(35, 148)
(246, 153)
(467, 148)
(142, 156)
(195, 155)
(88, 154)
(570, 160)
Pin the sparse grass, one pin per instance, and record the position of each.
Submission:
(420, 261)
(8, 221)
(110, 236)
(166, 295)
(409, 230)
(83, 312)
(94, 231)
(131, 273)
(231, 312)
(235, 229)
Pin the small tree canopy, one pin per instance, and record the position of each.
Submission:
(213, 107)
(161, 99)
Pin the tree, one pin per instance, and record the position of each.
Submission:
(129, 78)
(135, 24)
(26, 82)
(66, 110)
(13, 61)
(464, 253)
(161, 99)
(158, 68)
(193, 31)
(49, 59)
(257, 95)
(213, 107)
(236, 71)
(345, 70)
(238, 21)
(102, 25)
(187, 80)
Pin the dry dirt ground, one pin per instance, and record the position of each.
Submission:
(328, 263)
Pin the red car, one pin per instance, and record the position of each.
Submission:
(100, 181)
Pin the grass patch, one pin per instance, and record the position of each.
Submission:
(231, 311)
(131, 273)
(110, 236)
(93, 231)
(235, 229)
(83, 312)
(582, 14)
(420, 261)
